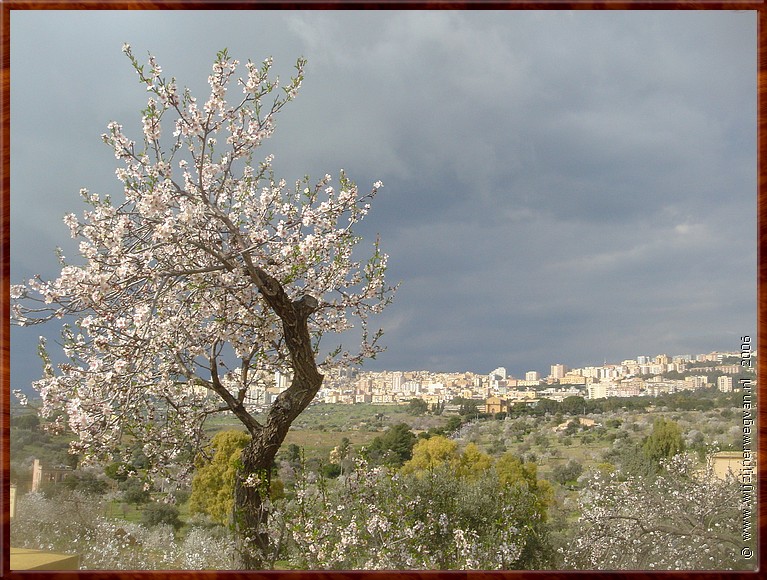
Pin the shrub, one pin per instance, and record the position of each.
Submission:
(73, 523)
(157, 513)
(567, 473)
(134, 492)
(376, 518)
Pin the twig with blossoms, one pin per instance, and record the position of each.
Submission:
(207, 276)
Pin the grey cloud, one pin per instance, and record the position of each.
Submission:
(558, 186)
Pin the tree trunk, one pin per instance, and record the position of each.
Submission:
(251, 513)
(251, 508)
(253, 478)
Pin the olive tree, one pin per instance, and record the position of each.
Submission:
(203, 279)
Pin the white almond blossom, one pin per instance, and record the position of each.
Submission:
(196, 272)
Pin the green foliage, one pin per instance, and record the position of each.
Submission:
(473, 462)
(567, 473)
(28, 422)
(469, 407)
(84, 481)
(157, 513)
(664, 442)
(574, 405)
(453, 423)
(438, 408)
(138, 459)
(429, 454)
(548, 406)
(118, 470)
(394, 447)
(515, 472)
(331, 470)
(439, 455)
(541, 440)
(181, 496)
(417, 406)
(213, 482)
(294, 453)
(134, 492)
(35, 443)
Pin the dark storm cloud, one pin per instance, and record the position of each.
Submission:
(559, 187)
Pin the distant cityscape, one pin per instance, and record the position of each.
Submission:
(496, 390)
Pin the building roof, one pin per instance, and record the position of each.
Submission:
(26, 559)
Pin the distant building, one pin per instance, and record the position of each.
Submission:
(597, 390)
(495, 405)
(532, 376)
(527, 383)
(282, 380)
(558, 371)
(724, 384)
(696, 382)
(726, 462)
(42, 476)
(498, 374)
(572, 379)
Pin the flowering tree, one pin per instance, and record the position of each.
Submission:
(683, 518)
(74, 522)
(208, 277)
(378, 518)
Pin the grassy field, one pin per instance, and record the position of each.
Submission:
(321, 427)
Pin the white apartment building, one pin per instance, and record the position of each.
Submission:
(592, 372)
(724, 384)
(561, 394)
(498, 374)
(532, 376)
(696, 382)
(528, 383)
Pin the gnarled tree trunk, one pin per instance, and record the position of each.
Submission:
(252, 482)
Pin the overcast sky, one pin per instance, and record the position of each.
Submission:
(560, 187)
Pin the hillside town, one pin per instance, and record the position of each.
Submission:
(497, 390)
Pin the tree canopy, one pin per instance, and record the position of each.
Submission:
(201, 280)
(195, 281)
(213, 482)
(664, 442)
(393, 447)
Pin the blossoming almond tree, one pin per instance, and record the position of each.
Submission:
(681, 519)
(209, 276)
